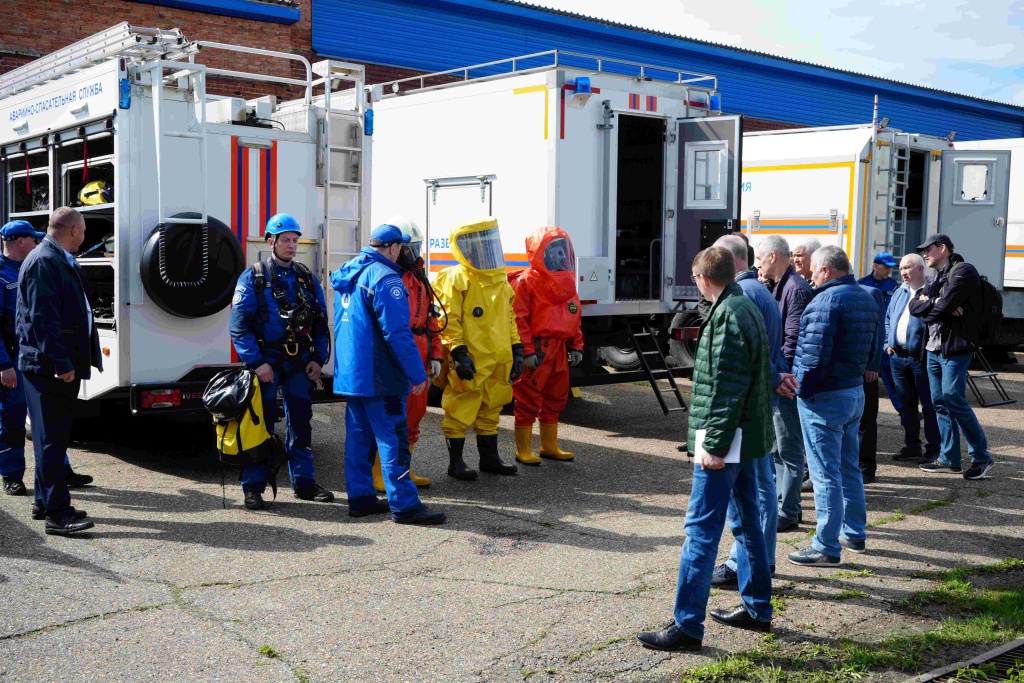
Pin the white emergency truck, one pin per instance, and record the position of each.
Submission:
(187, 181)
(633, 161)
(872, 188)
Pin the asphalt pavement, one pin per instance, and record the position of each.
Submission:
(546, 576)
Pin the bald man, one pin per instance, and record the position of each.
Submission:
(58, 349)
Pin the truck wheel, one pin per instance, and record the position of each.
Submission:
(682, 353)
(622, 359)
(183, 255)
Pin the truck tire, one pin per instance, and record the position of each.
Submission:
(622, 359)
(682, 353)
(183, 253)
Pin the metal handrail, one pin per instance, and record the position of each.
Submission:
(682, 77)
(308, 83)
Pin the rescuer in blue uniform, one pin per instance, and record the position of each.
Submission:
(376, 366)
(279, 329)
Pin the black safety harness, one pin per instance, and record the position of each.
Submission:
(301, 319)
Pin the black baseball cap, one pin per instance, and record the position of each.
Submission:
(937, 238)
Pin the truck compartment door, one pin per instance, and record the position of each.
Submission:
(973, 204)
(451, 202)
(708, 201)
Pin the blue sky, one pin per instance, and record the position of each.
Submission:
(972, 47)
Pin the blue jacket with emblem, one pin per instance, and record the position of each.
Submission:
(376, 353)
(9, 271)
(247, 323)
(839, 338)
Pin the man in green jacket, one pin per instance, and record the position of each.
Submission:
(732, 392)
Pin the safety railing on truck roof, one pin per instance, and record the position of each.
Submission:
(544, 61)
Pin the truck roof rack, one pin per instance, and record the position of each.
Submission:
(122, 40)
(544, 61)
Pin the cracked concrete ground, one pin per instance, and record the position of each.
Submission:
(546, 576)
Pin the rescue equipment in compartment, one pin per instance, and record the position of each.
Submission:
(301, 318)
(94, 193)
(183, 253)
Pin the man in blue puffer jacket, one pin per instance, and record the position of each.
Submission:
(838, 344)
(376, 362)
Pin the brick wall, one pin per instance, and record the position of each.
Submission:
(751, 125)
(36, 30)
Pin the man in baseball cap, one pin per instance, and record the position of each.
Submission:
(387, 235)
(937, 238)
(18, 229)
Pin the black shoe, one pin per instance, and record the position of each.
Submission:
(739, 617)
(14, 487)
(786, 524)
(979, 471)
(723, 577)
(671, 639)
(254, 501)
(76, 481)
(490, 461)
(928, 457)
(39, 514)
(422, 518)
(378, 508)
(907, 453)
(806, 486)
(869, 478)
(68, 526)
(316, 493)
(457, 467)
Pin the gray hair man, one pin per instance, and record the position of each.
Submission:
(904, 343)
(836, 346)
(792, 294)
(802, 254)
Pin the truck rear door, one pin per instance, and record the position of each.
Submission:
(708, 200)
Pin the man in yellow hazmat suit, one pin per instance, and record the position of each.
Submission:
(482, 341)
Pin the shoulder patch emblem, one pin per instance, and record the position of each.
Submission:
(237, 298)
(573, 308)
(397, 292)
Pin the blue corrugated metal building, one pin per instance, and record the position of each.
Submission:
(435, 35)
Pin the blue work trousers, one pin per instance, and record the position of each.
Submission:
(912, 386)
(947, 377)
(49, 407)
(298, 414)
(831, 425)
(767, 503)
(378, 425)
(705, 521)
(788, 454)
(13, 410)
(889, 381)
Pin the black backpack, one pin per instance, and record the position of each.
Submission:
(989, 316)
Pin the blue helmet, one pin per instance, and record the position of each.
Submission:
(282, 222)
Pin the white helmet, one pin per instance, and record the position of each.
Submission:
(408, 227)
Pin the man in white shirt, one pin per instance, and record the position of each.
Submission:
(904, 342)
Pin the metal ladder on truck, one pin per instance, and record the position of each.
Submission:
(341, 165)
(989, 374)
(898, 176)
(652, 360)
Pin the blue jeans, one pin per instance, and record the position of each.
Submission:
(13, 410)
(767, 502)
(378, 425)
(298, 415)
(912, 386)
(831, 424)
(705, 521)
(788, 454)
(947, 378)
(886, 373)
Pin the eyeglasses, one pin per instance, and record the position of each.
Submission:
(693, 278)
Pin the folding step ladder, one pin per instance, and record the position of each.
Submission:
(989, 374)
(652, 360)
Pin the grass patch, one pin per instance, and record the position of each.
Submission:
(850, 594)
(268, 651)
(981, 493)
(896, 516)
(596, 648)
(779, 603)
(853, 575)
(930, 505)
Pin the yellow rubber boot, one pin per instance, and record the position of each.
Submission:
(549, 443)
(378, 478)
(524, 453)
(421, 482)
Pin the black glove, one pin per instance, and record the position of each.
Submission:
(517, 362)
(464, 366)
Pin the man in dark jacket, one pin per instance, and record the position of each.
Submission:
(59, 347)
(950, 306)
(869, 418)
(838, 342)
(904, 344)
(792, 294)
(731, 398)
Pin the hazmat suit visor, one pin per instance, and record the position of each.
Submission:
(410, 254)
(482, 250)
(559, 256)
